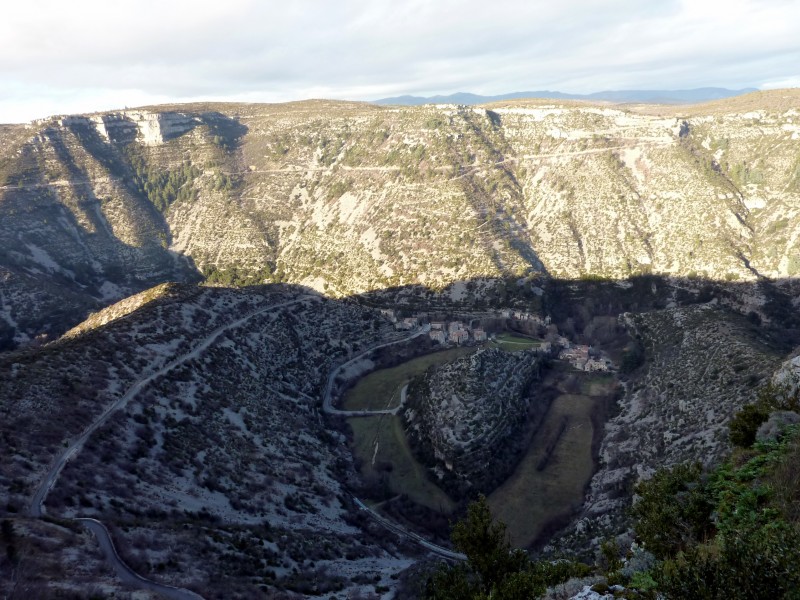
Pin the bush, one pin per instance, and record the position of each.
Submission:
(745, 424)
(632, 358)
(673, 511)
(493, 569)
(751, 547)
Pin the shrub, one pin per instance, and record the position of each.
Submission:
(493, 569)
(745, 424)
(673, 511)
(752, 548)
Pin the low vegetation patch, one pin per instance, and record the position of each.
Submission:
(730, 533)
(548, 483)
(388, 465)
(514, 343)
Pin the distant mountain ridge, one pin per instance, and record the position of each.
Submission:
(620, 96)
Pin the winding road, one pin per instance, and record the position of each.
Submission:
(327, 397)
(37, 504)
(439, 550)
(37, 510)
(124, 572)
(327, 406)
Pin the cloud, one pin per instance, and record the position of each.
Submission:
(81, 53)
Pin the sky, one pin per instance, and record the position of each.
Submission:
(59, 57)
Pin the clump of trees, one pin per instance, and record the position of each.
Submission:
(493, 569)
(238, 275)
(164, 187)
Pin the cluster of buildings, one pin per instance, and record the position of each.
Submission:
(455, 332)
(519, 315)
(581, 358)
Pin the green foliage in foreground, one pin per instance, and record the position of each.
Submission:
(733, 533)
(493, 570)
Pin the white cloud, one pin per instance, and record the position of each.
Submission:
(58, 56)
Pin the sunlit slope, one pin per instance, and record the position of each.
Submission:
(350, 197)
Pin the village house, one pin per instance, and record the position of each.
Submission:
(596, 364)
(437, 335)
(459, 336)
(454, 326)
(389, 313)
(437, 325)
(479, 335)
(407, 323)
(577, 356)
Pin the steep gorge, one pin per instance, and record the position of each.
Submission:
(579, 206)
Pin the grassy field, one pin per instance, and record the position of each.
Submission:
(407, 476)
(513, 343)
(381, 389)
(598, 384)
(543, 488)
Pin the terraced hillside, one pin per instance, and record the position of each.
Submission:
(348, 197)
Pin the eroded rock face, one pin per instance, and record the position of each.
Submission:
(147, 127)
(462, 417)
(348, 198)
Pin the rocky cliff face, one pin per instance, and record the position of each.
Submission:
(465, 418)
(146, 127)
(787, 378)
(348, 197)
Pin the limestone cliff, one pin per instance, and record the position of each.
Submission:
(348, 197)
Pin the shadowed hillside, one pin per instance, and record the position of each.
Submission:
(222, 444)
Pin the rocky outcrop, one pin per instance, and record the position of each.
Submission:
(463, 418)
(146, 127)
(787, 378)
